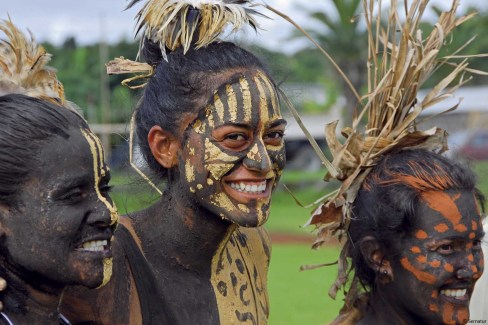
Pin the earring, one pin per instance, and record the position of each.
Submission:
(385, 272)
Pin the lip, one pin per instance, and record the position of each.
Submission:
(243, 196)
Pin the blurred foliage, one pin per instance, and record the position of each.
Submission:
(80, 68)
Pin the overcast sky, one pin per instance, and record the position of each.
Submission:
(91, 20)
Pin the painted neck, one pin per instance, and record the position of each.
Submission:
(382, 311)
(191, 234)
(26, 303)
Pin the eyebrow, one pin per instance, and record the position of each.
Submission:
(278, 123)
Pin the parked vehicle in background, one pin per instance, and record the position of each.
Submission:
(471, 144)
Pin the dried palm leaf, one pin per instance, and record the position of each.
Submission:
(400, 60)
(23, 67)
(176, 23)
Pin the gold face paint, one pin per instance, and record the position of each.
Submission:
(246, 99)
(234, 137)
(232, 101)
(99, 171)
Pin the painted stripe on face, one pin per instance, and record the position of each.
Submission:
(420, 275)
(274, 107)
(95, 148)
(246, 99)
(219, 108)
(263, 102)
(232, 102)
(445, 204)
(97, 157)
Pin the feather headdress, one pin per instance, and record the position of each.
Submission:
(23, 67)
(400, 60)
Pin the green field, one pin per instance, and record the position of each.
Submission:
(295, 297)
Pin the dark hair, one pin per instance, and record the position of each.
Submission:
(184, 84)
(26, 123)
(386, 205)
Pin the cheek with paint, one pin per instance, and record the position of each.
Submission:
(100, 170)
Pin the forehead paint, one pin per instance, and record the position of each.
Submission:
(97, 154)
(445, 204)
(232, 101)
(263, 101)
(219, 107)
(274, 112)
(246, 99)
(442, 227)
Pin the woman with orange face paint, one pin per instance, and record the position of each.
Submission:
(209, 126)
(409, 219)
(56, 217)
(417, 250)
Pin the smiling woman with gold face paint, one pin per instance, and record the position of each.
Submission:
(417, 250)
(209, 125)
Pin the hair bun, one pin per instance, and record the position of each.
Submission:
(151, 52)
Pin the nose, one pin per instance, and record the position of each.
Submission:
(471, 268)
(257, 158)
(103, 215)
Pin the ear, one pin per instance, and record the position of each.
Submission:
(164, 146)
(375, 258)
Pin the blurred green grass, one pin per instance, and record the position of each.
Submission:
(295, 297)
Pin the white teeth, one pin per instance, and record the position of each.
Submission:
(95, 245)
(454, 293)
(255, 189)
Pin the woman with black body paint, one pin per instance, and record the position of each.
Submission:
(56, 217)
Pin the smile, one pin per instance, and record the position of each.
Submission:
(249, 188)
(94, 246)
(458, 294)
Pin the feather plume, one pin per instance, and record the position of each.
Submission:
(175, 23)
(23, 67)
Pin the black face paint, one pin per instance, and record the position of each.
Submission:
(65, 221)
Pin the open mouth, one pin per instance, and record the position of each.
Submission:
(458, 295)
(249, 188)
(102, 246)
(245, 190)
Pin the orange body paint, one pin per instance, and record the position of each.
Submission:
(443, 203)
(442, 227)
(420, 275)
(420, 234)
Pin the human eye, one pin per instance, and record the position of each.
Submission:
(445, 249)
(104, 187)
(274, 137)
(235, 140)
(477, 244)
(73, 196)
